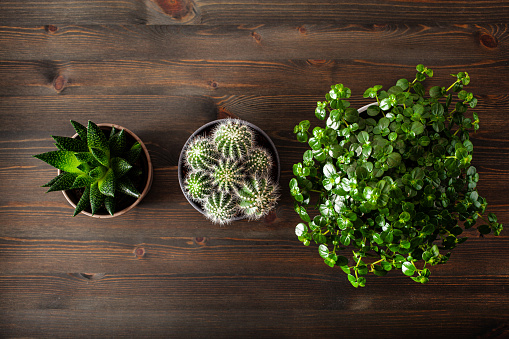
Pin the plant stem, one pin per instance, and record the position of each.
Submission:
(447, 90)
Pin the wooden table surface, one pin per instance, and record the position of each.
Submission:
(163, 68)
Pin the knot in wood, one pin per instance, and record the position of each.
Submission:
(93, 276)
(139, 252)
(177, 9)
(51, 28)
(59, 83)
(200, 240)
(257, 37)
(316, 62)
(488, 40)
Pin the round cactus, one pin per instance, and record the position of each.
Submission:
(198, 185)
(201, 154)
(220, 207)
(257, 197)
(228, 174)
(258, 161)
(233, 139)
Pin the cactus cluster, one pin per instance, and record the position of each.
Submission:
(228, 174)
(102, 165)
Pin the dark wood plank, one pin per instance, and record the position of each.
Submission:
(252, 291)
(472, 43)
(367, 321)
(228, 77)
(247, 12)
(40, 12)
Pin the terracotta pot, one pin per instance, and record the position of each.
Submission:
(261, 139)
(124, 203)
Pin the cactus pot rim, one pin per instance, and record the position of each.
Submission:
(259, 135)
(146, 164)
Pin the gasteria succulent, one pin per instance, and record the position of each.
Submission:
(228, 174)
(101, 165)
(396, 186)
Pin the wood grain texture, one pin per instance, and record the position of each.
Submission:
(163, 68)
(223, 77)
(472, 43)
(246, 12)
(225, 323)
(251, 291)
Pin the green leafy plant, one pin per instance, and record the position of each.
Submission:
(229, 174)
(395, 186)
(103, 166)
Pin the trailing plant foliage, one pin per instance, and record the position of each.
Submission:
(103, 166)
(229, 174)
(394, 186)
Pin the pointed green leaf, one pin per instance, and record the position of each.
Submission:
(63, 160)
(83, 180)
(126, 186)
(107, 183)
(80, 129)
(96, 198)
(109, 203)
(87, 157)
(112, 132)
(98, 172)
(52, 181)
(101, 156)
(84, 202)
(134, 153)
(120, 166)
(70, 144)
(84, 168)
(64, 183)
(96, 138)
(118, 144)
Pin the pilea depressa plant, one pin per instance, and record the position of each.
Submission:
(228, 174)
(394, 186)
(101, 165)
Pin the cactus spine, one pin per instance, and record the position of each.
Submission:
(201, 154)
(220, 207)
(199, 185)
(233, 139)
(257, 197)
(229, 173)
(258, 161)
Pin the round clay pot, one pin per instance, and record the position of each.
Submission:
(260, 138)
(124, 203)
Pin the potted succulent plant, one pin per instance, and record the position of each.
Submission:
(229, 170)
(104, 170)
(395, 184)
